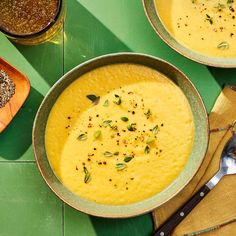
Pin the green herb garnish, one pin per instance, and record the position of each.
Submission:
(110, 154)
(95, 99)
(125, 119)
(131, 127)
(107, 154)
(128, 158)
(97, 134)
(220, 6)
(120, 166)
(230, 3)
(210, 19)
(82, 137)
(106, 103)
(87, 176)
(223, 45)
(155, 129)
(117, 100)
(148, 113)
(150, 140)
(106, 123)
(147, 149)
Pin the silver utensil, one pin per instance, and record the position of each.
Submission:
(227, 167)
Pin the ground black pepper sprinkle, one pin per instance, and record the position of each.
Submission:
(7, 88)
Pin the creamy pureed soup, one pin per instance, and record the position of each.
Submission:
(119, 134)
(208, 27)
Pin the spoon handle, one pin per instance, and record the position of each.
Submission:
(182, 212)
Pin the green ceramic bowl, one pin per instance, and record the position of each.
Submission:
(195, 160)
(154, 19)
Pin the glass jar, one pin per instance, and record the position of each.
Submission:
(53, 26)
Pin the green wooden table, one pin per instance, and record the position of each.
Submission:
(92, 28)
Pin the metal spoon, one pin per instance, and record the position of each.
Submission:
(227, 167)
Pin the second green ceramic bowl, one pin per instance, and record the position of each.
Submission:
(195, 159)
(158, 26)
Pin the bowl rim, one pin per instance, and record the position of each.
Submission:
(139, 211)
(166, 37)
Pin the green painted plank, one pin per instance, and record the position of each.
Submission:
(13, 56)
(15, 141)
(136, 226)
(27, 205)
(224, 76)
(43, 64)
(85, 37)
(46, 58)
(77, 223)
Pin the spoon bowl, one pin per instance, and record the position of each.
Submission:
(228, 157)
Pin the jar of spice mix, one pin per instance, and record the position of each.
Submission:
(31, 21)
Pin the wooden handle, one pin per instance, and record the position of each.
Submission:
(180, 214)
